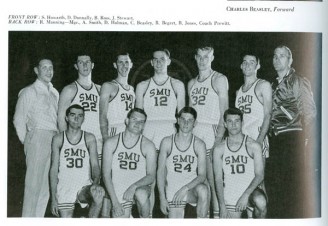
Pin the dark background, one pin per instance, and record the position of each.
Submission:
(25, 48)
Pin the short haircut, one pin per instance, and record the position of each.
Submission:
(136, 110)
(38, 60)
(166, 51)
(75, 106)
(123, 54)
(83, 54)
(290, 55)
(233, 111)
(251, 54)
(189, 110)
(205, 48)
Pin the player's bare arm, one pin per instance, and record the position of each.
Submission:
(200, 151)
(57, 141)
(264, 92)
(107, 92)
(108, 151)
(180, 91)
(92, 147)
(255, 150)
(140, 92)
(161, 173)
(218, 178)
(65, 98)
(190, 84)
(149, 151)
(220, 85)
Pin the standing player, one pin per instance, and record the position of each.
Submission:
(75, 172)
(254, 99)
(160, 96)
(35, 121)
(238, 170)
(85, 93)
(116, 99)
(182, 169)
(129, 167)
(208, 94)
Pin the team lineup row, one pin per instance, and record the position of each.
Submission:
(129, 162)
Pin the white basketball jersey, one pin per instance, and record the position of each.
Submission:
(238, 169)
(160, 101)
(74, 165)
(89, 100)
(120, 105)
(253, 111)
(129, 165)
(205, 100)
(181, 167)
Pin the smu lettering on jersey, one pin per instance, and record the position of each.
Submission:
(89, 100)
(74, 166)
(205, 100)
(238, 169)
(120, 105)
(160, 101)
(181, 167)
(129, 166)
(250, 105)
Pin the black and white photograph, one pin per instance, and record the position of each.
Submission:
(104, 102)
(144, 112)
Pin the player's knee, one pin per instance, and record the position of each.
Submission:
(97, 192)
(202, 191)
(141, 195)
(259, 200)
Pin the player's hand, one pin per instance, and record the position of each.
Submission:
(129, 193)
(242, 203)
(224, 213)
(118, 210)
(164, 205)
(54, 208)
(97, 193)
(180, 195)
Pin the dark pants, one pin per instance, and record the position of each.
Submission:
(286, 176)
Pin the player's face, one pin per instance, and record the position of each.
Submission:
(44, 71)
(160, 62)
(281, 61)
(204, 59)
(84, 65)
(75, 118)
(233, 124)
(123, 65)
(186, 122)
(249, 65)
(136, 123)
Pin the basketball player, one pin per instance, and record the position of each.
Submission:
(129, 167)
(85, 93)
(208, 94)
(35, 122)
(161, 97)
(254, 99)
(238, 170)
(182, 169)
(116, 99)
(75, 172)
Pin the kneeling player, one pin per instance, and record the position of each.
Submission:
(74, 158)
(182, 169)
(129, 167)
(239, 158)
